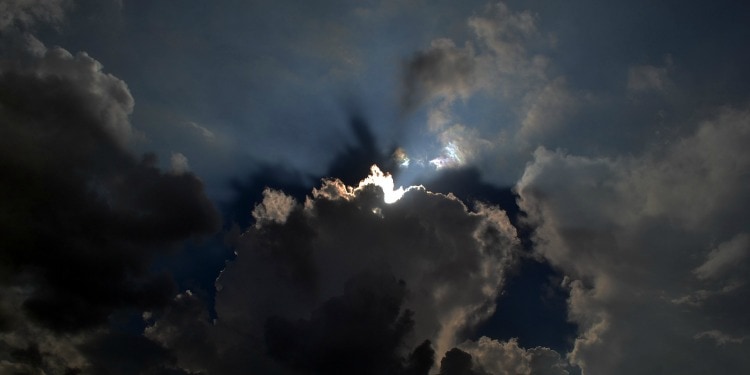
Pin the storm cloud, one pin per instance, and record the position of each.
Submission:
(82, 217)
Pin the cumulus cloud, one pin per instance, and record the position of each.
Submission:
(102, 98)
(82, 217)
(506, 358)
(275, 207)
(457, 362)
(345, 275)
(492, 357)
(654, 247)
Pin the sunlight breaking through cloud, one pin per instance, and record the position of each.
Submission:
(385, 182)
(452, 156)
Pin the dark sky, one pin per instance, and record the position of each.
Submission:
(188, 187)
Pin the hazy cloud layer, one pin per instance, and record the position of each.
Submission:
(25, 13)
(443, 70)
(655, 248)
(499, 64)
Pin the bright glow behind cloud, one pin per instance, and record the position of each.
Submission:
(450, 157)
(385, 182)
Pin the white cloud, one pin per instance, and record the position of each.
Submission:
(275, 207)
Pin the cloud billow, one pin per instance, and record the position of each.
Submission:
(346, 282)
(82, 217)
(655, 249)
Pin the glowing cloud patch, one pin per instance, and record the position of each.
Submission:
(385, 182)
(452, 156)
(400, 157)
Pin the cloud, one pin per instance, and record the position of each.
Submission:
(82, 217)
(503, 36)
(179, 163)
(275, 207)
(456, 362)
(102, 98)
(637, 238)
(185, 328)
(720, 337)
(443, 70)
(501, 358)
(433, 265)
(523, 104)
(727, 255)
(546, 110)
(26, 13)
(358, 332)
(204, 132)
(648, 77)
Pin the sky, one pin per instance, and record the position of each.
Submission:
(374, 187)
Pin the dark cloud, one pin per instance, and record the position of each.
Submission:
(361, 331)
(185, 328)
(456, 362)
(421, 360)
(82, 217)
(74, 197)
(125, 354)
